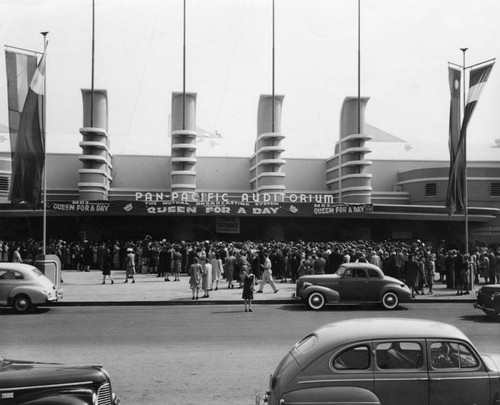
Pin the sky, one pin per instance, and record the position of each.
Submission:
(405, 49)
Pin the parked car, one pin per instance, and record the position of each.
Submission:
(23, 287)
(33, 383)
(352, 282)
(386, 362)
(488, 299)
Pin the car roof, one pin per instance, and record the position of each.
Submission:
(22, 267)
(360, 264)
(362, 329)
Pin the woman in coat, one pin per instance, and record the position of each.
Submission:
(195, 277)
(411, 271)
(130, 265)
(248, 287)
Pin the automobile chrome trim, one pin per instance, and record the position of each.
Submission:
(331, 380)
(32, 387)
(481, 377)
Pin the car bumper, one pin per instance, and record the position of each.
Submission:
(486, 310)
(55, 297)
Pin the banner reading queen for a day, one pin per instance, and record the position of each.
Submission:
(179, 208)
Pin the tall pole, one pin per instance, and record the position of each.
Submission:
(466, 197)
(272, 81)
(92, 68)
(184, 70)
(44, 226)
(359, 66)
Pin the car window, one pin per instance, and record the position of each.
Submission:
(348, 273)
(354, 358)
(307, 343)
(373, 273)
(37, 271)
(399, 355)
(10, 275)
(452, 355)
(359, 273)
(341, 271)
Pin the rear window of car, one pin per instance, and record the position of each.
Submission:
(306, 344)
(37, 272)
(354, 358)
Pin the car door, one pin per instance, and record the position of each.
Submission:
(456, 374)
(7, 283)
(400, 372)
(355, 285)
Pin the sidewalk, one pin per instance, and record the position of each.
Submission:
(85, 288)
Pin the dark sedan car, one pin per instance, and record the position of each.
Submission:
(488, 299)
(385, 362)
(33, 383)
(353, 282)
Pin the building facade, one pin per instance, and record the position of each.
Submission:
(358, 192)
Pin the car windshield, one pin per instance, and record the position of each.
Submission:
(341, 270)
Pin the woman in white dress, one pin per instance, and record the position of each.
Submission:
(216, 271)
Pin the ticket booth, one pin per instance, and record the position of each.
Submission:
(50, 266)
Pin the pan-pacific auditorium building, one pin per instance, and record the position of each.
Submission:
(369, 186)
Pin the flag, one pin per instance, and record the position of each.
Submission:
(455, 197)
(29, 155)
(477, 81)
(456, 182)
(20, 68)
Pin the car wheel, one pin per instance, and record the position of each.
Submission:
(316, 301)
(390, 300)
(21, 303)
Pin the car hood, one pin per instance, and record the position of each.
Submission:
(19, 373)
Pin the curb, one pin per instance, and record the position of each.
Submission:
(230, 302)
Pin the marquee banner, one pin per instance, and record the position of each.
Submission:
(179, 208)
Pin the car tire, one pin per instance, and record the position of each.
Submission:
(316, 301)
(22, 303)
(390, 300)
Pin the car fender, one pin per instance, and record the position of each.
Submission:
(404, 294)
(330, 395)
(329, 294)
(37, 296)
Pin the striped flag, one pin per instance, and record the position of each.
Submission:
(456, 198)
(20, 68)
(29, 155)
(477, 81)
(456, 183)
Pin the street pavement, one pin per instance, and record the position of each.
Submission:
(86, 288)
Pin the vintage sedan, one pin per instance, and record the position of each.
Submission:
(488, 299)
(381, 361)
(24, 287)
(352, 282)
(33, 383)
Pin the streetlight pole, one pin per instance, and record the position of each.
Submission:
(466, 197)
(44, 137)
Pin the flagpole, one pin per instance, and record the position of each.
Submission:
(184, 69)
(92, 68)
(44, 248)
(272, 81)
(466, 196)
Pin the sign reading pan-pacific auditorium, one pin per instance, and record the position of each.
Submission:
(305, 205)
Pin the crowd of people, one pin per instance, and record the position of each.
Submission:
(416, 263)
